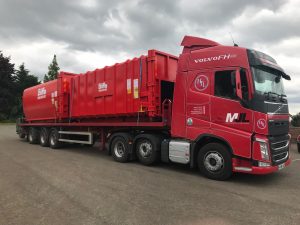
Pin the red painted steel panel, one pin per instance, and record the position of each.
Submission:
(128, 89)
(40, 102)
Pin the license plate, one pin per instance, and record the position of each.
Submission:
(281, 166)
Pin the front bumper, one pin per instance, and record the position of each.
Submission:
(260, 170)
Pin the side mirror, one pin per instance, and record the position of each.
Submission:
(239, 90)
(238, 84)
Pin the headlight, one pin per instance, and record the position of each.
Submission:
(260, 149)
(264, 150)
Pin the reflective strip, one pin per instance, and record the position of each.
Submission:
(243, 168)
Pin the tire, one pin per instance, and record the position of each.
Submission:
(53, 139)
(214, 161)
(148, 149)
(44, 137)
(22, 135)
(33, 135)
(120, 149)
(298, 145)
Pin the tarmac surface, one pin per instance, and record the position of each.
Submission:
(82, 185)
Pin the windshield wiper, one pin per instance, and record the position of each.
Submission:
(268, 94)
(280, 96)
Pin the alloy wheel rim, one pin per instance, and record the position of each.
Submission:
(145, 149)
(213, 161)
(119, 149)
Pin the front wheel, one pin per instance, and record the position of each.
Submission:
(214, 161)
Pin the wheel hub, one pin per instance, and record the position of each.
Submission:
(145, 149)
(119, 149)
(52, 140)
(213, 161)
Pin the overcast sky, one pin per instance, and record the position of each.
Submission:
(89, 34)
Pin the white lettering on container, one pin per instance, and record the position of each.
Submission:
(42, 92)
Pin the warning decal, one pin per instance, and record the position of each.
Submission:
(128, 86)
(135, 88)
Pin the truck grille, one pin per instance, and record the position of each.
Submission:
(279, 146)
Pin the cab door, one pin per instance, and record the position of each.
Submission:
(198, 97)
(231, 119)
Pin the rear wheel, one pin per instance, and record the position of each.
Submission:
(214, 161)
(33, 135)
(22, 135)
(120, 149)
(147, 149)
(54, 139)
(44, 137)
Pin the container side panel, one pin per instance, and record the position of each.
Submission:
(166, 67)
(136, 85)
(90, 93)
(99, 99)
(125, 89)
(108, 93)
(40, 102)
(120, 88)
(76, 98)
(129, 87)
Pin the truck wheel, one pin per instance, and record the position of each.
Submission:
(120, 149)
(33, 135)
(147, 149)
(214, 161)
(53, 139)
(44, 137)
(22, 135)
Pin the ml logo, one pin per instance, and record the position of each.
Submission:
(236, 117)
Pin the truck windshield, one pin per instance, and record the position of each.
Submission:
(266, 82)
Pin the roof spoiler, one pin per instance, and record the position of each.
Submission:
(191, 43)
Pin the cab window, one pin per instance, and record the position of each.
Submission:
(225, 85)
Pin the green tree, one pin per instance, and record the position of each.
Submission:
(23, 80)
(53, 70)
(7, 87)
(296, 120)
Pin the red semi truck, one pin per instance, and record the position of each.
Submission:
(219, 108)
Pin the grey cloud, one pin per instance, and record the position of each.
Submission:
(148, 24)
(212, 14)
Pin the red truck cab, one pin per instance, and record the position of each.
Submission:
(232, 98)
